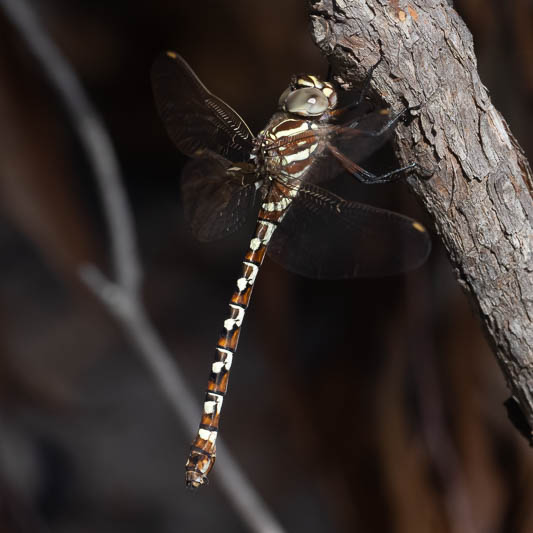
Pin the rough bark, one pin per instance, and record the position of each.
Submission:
(480, 195)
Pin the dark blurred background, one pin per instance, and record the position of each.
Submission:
(368, 406)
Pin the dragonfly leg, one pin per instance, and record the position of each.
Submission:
(366, 85)
(394, 175)
(350, 128)
(390, 124)
(369, 178)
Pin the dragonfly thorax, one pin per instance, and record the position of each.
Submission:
(286, 147)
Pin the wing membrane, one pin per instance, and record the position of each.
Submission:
(323, 236)
(195, 119)
(356, 140)
(217, 195)
(359, 138)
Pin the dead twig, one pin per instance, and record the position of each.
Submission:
(121, 295)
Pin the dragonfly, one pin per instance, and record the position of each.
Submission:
(278, 176)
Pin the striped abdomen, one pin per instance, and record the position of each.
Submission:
(203, 450)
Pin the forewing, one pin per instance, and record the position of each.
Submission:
(195, 119)
(356, 139)
(360, 137)
(217, 195)
(323, 236)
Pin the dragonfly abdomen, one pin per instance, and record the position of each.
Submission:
(203, 450)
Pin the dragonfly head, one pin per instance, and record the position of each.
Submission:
(308, 96)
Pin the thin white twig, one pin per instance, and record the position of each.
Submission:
(93, 137)
(121, 297)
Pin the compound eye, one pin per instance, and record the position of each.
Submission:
(307, 102)
(283, 97)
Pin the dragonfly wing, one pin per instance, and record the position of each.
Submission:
(356, 140)
(323, 236)
(195, 118)
(218, 195)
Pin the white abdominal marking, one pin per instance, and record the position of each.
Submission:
(229, 324)
(255, 243)
(216, 367)
(270, 230)
(204, 434)
(226, 361)
(240, 310)
(213, 405)
(243, 282)
(210, 407)
(250, 279)
(277, 206)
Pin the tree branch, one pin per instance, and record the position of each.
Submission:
(480, 196)
(122, 297)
